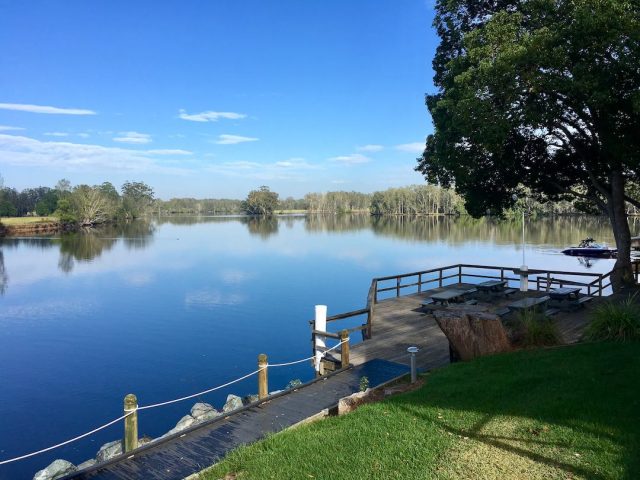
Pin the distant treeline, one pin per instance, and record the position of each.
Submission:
(411, 200)
(89, 205)
(84, 205)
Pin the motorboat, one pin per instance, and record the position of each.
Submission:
(589, 248)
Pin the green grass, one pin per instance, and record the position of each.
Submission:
(565, 413)
(538, 330)
(11, 221)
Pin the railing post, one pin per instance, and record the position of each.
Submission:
(263, 382)
(440, 278)
(344, 348)
(548, 281)
(397, 286)
(420, 283)
(502, 274)
(375, 293)
(600, 286)
(459, 273)
(130, 423)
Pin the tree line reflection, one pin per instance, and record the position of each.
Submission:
(87, 245)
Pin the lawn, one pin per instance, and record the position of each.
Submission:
(10, 221)
(565, 413)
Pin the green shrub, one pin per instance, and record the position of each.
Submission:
(538, 330)
(616, 321)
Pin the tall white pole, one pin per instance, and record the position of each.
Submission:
(320, 324)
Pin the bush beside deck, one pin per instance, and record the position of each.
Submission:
(569, 412)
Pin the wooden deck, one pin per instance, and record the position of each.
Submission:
(194, 449)
(400, 322)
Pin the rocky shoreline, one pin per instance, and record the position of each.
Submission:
(200, 412)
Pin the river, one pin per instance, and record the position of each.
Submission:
(168, 307)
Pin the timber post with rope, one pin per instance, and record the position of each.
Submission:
(263, 383)
(130, 423)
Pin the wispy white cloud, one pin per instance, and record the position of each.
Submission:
(22, 107)
(169, 151)
(210, 116)
(7, 128)
(30, 152)
(295, 169)
(56, 134)
(83, 135)
(133, 137)
(370, 148)
(353, 159)
(415, 147)
(225, 139)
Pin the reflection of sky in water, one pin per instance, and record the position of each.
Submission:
(169, 311)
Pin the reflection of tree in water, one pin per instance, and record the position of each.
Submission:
(91, 243)
(4, 277)
(263, 226)
(81, 246)
(136, 235)
(337, 223)
(587, 262)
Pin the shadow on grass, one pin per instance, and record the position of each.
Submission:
(582, 399)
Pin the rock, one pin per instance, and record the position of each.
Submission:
(250, 399)
(57, 469)
(350, 403)
(233, 403)
(144, 440)
(87, 464)
(109, 450)
(201, 409)
(208, 416)
(184, 423)
(473, 334)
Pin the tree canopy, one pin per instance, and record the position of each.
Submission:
(260, 202)
(543, 93)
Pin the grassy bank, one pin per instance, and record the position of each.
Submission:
(17, 221)
(563, 413)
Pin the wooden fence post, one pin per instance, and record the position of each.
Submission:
(263, 384)
(344, 348)
(548, 281)
(130, 423)
(459, 273)
(419, 283)
(440, 278)
(397, 286)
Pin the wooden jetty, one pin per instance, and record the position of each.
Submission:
(196, 448)
(395, 320)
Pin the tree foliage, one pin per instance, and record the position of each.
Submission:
(260, 202)
(540, 93)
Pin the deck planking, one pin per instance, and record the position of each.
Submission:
(400, 322)
(196, 448)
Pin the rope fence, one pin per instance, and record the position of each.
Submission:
(169, 402)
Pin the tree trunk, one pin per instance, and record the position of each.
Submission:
(622, 274)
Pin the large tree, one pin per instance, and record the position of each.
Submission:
(260, 202)
(541, 93)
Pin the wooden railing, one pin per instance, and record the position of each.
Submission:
(594, 284)
(591, 283)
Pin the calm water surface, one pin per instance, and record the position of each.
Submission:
(167, 308)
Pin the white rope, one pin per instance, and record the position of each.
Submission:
(201, 393)
(68, 441)
(155, 405)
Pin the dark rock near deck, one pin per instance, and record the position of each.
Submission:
(57, 469)
(473, 334)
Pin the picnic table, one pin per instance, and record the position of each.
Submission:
(529, 303)
(491, 286)
(567, 298)
(452, 295)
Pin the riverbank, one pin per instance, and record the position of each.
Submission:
(569, 412)
(25, 226)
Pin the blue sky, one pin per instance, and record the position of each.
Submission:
(215, 98)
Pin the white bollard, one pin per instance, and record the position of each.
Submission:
(320, 324)
(524, 278)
